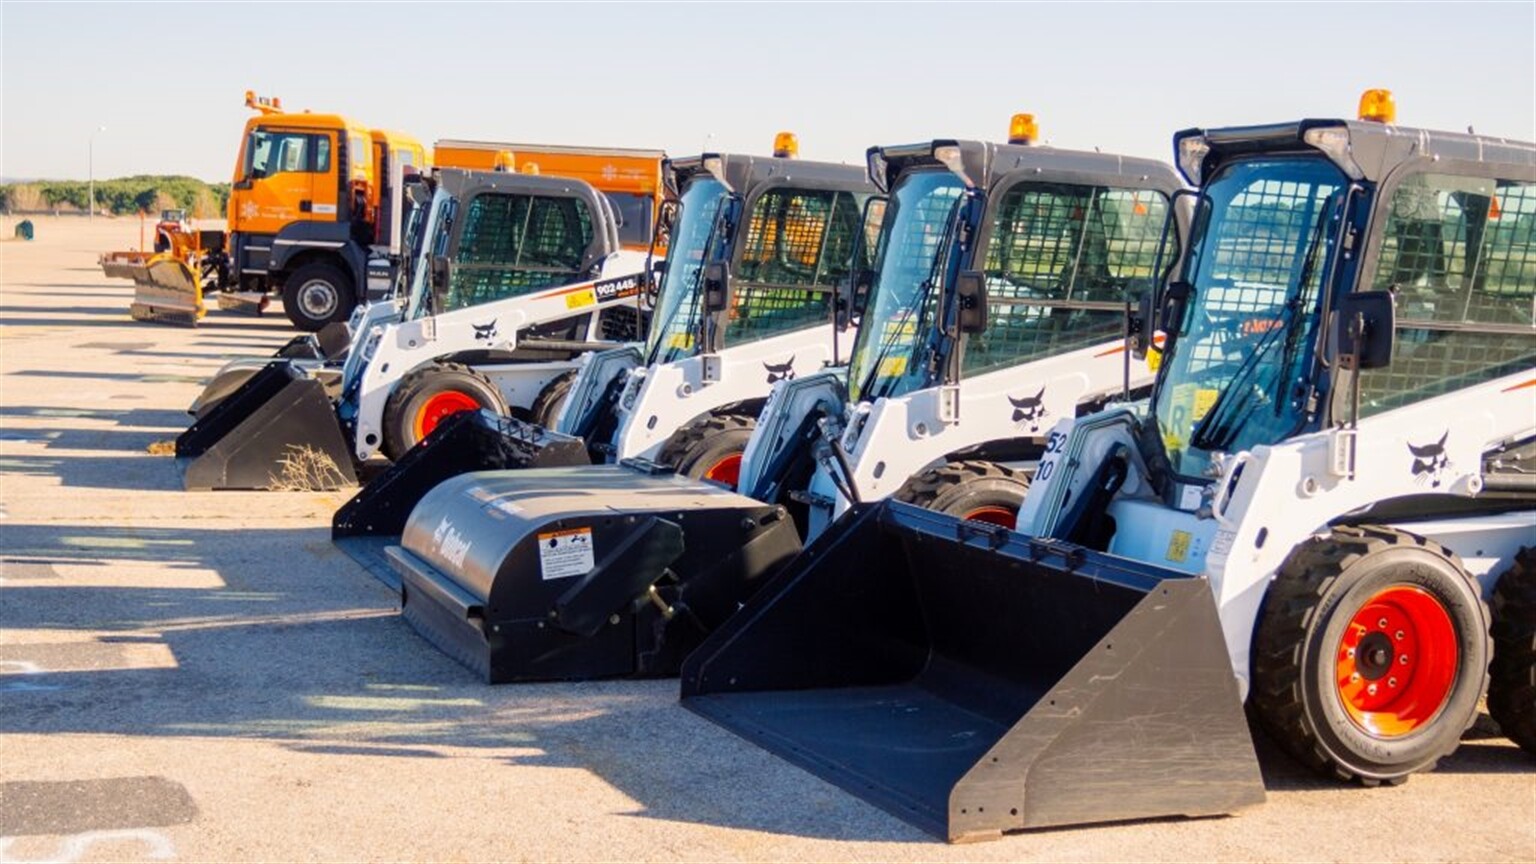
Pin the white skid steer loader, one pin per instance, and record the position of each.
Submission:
(1331, 476)
(516, 276)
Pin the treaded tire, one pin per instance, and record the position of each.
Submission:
(1512, 675)
(966, 489)
(1320, 588)
(704, 444)
(316, 275)
(419, 385)
(546, 406)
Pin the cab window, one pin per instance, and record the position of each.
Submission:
(1460, 254)
(270, 152)
(515, 244)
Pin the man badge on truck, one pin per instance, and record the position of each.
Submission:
(1429, 461)
(1030, 409)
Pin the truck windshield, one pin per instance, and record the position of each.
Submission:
(1258, 254)
(693, 242)
(431, 239)
(909, 271)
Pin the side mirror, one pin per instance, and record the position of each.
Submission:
(652, 277)
(717, 286)
(442, 272)
(971, 301)
(1139, 327)
(1364, 326)
(242, 184)
(852, 295)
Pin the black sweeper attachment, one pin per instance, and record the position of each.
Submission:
(590, 572)
(973, 681)
(277, 430)
(375, 517)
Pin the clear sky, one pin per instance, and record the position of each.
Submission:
(168, 80)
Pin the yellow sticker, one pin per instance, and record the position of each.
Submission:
(1205, 397)
(681, 340)
(1178, 546)
(578, 299)
(893, 367)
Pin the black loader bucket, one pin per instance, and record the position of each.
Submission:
(469, 441)
(330, 342)
(277, 431)
(233, 375)
(598, 571)
(167, 292)
(974, 681)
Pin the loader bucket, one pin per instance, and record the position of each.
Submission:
(469, 441)
(277, 431)
(233, 375)
(973, 681)
(167, 292)
(597, 571)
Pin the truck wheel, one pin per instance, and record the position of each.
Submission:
(711, 448)
(317, 294)
(427, 396)
(546, 406)
(1370, 654)
(1512, 675)
(979, 491)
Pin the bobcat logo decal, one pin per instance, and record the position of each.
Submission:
(1430, 462)
(1030, 409)
(781, 372)
(485, 332)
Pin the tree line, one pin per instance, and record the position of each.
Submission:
(124, 196)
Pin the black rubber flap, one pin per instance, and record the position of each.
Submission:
(972, 681)
(465, 442)
(278, 430)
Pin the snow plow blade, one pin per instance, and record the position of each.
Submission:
(277, 431)
(974, 681)
(599, 571)
(124, 265)
(470, 441)
(167, 292)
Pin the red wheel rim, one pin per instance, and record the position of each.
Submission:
(994, 516)
(1396, 661)
(727, 470)
(439, 407)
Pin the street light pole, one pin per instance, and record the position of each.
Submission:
(91, 174)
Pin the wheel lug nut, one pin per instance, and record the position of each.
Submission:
(1371, 689)
(1382, 623)
(1403, 659)
(1354, 676)
(1399, 635)
(1391, 682)
(1350, 652)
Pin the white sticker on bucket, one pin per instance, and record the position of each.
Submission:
(566, 553)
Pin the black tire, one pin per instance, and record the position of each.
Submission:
(705, 445)
(420, 385)
(970, 490)
(1512, 674)
(1324, 583)
(546, 406)
(317, 294)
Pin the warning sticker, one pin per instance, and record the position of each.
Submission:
(566, 553)
(578, 299)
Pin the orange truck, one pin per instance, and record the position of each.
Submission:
(311, 205)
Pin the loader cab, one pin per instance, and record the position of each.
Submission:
(490, 236)
(994, 255)
(757, 248)
(1296, 222)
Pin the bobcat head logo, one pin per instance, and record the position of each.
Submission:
(782, 372)
(1430, 462)
(485, 332)
(1030, 410)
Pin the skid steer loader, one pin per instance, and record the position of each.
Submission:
(1007, 265)
(586, 572)
(516, 276)
(756, 248)
(1333, 470)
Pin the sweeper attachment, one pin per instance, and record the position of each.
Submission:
(574, 573)
(972, 681)
(375, 517)
(245, 441)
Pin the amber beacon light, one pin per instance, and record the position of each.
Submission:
(786, 145)
(1378, 106)
(1022, 129)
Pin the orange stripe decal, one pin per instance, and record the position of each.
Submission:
(1521, 386)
